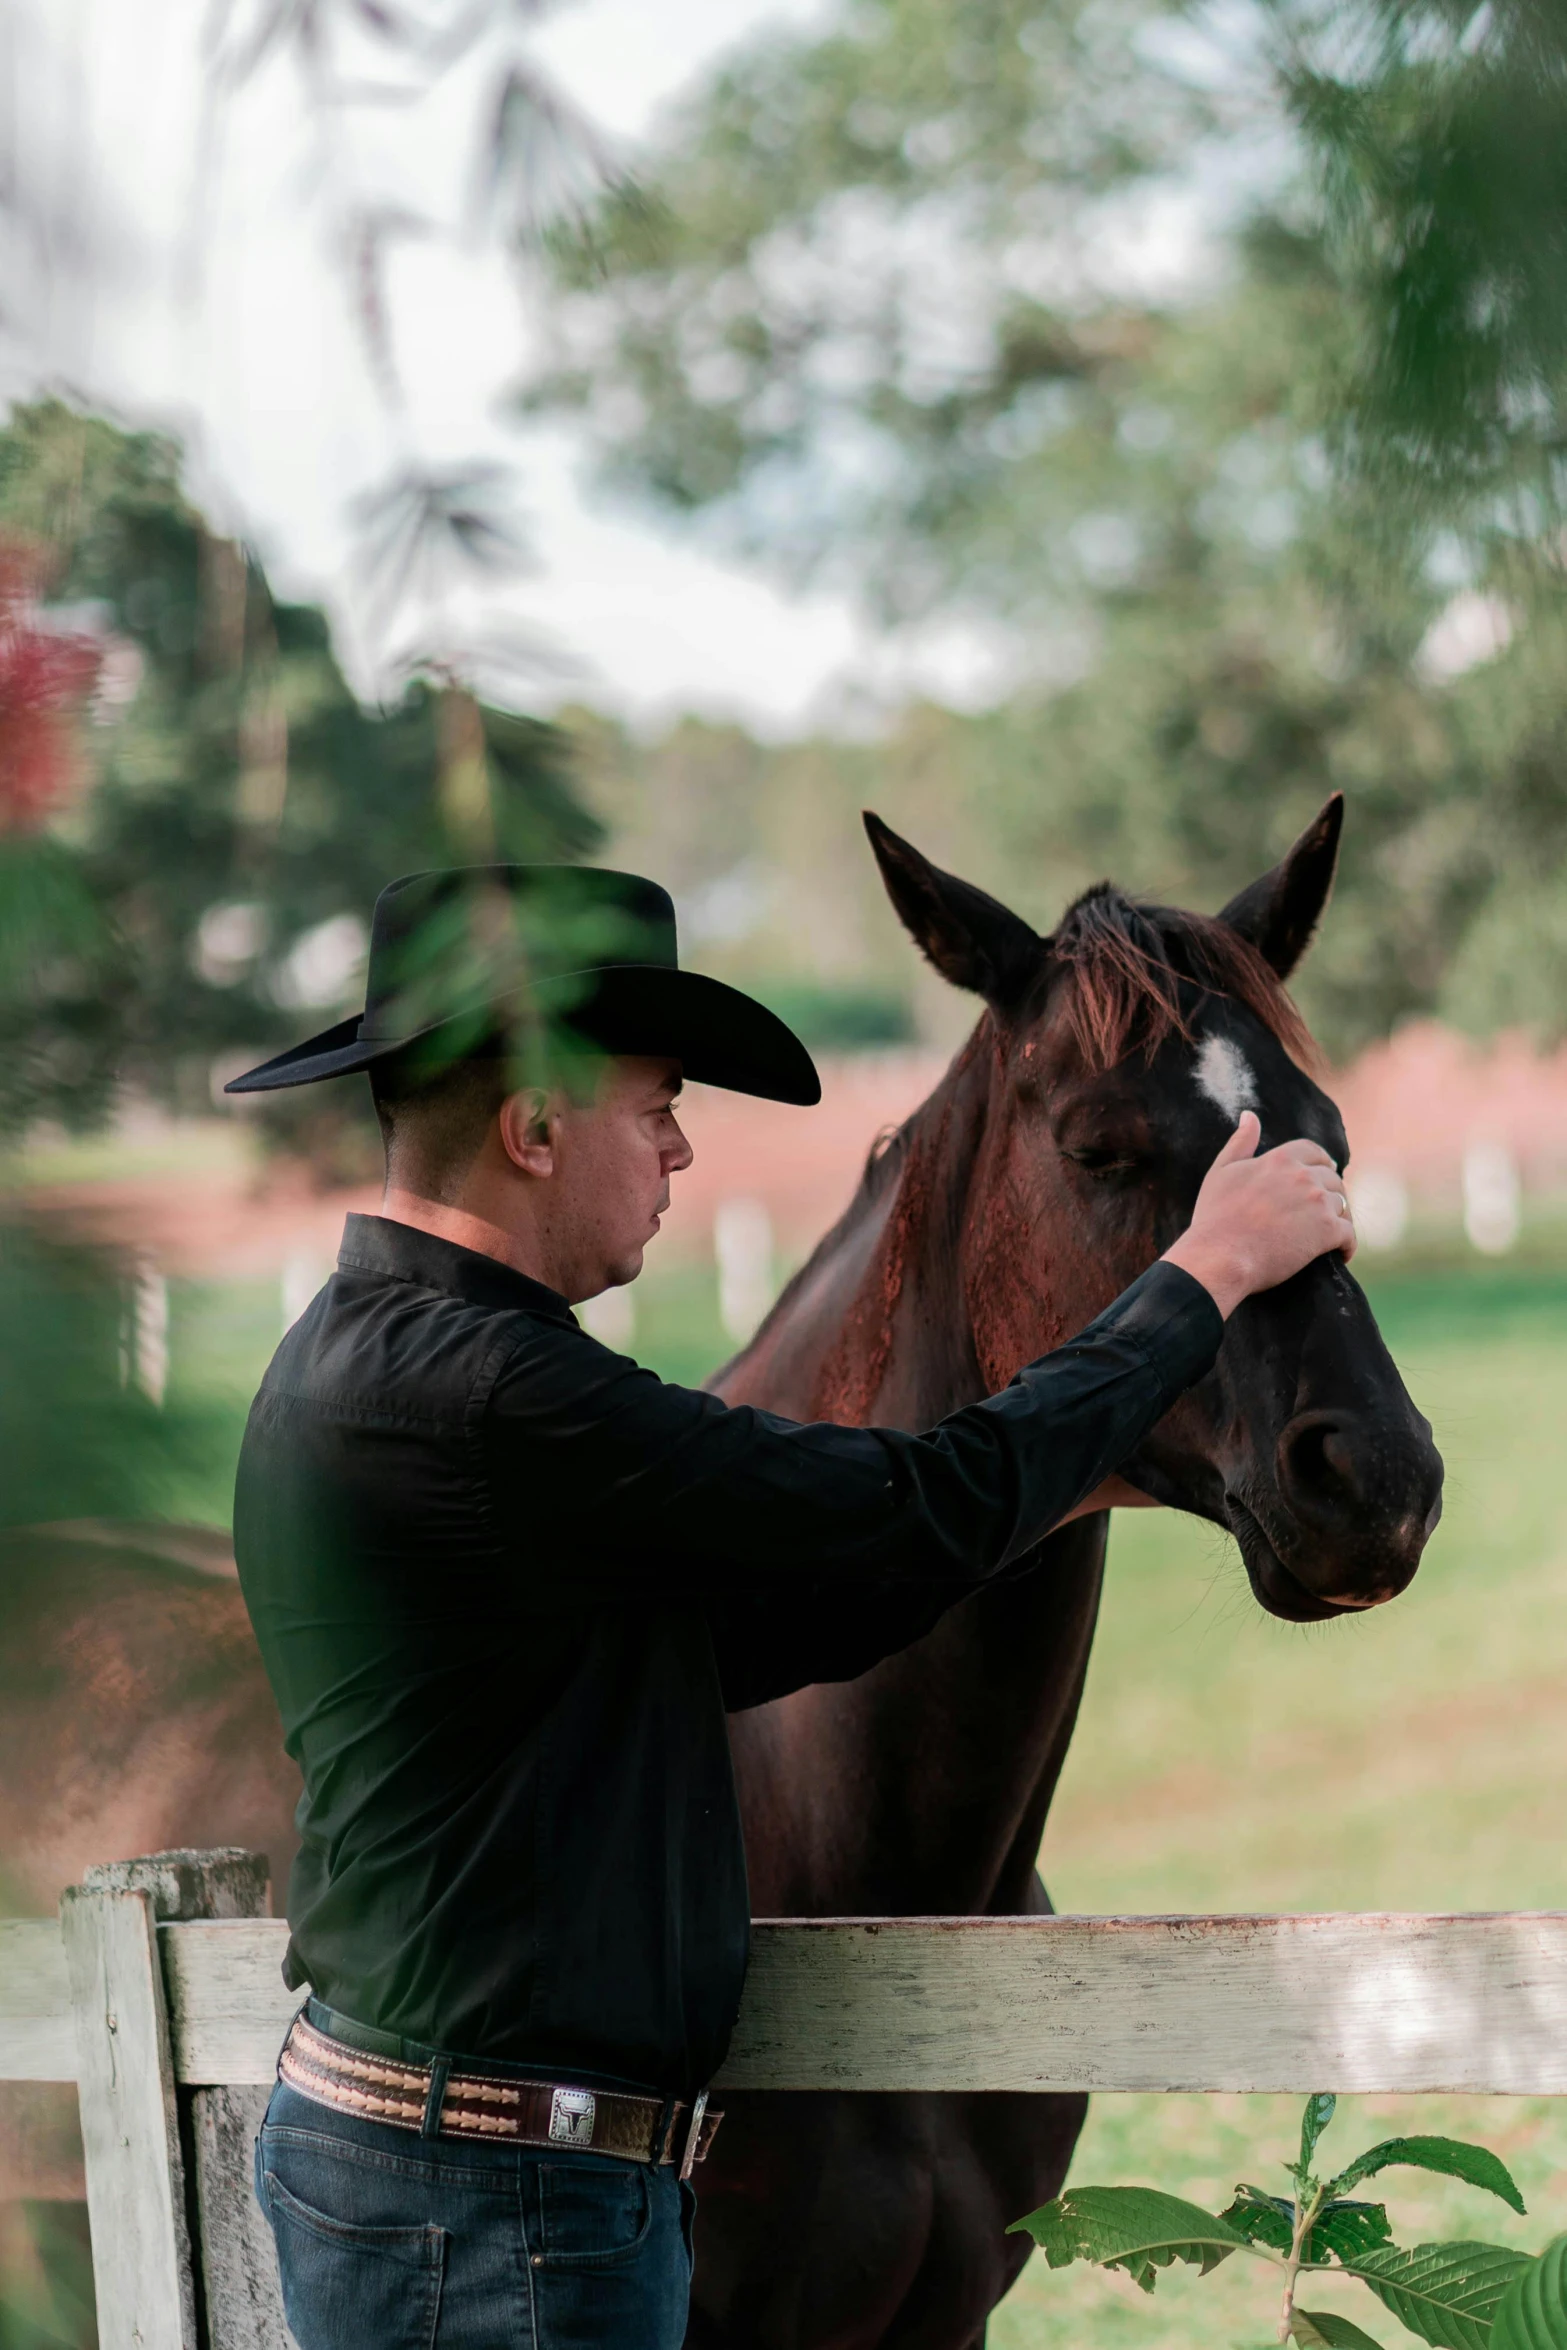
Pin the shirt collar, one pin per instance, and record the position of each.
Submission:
(401, 1252)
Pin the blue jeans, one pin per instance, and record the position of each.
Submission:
(387, 2241)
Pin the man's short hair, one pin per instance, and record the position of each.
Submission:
(433, 1123)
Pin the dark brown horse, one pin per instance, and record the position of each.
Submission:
(1060, 1154)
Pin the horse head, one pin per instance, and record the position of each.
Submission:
(1120, 1052)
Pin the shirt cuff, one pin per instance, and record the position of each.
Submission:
(1173, 1320)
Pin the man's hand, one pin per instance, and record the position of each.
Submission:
(1257, 1221)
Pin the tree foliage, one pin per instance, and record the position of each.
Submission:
(202, 897)
(1438, 130)
(835, 309)
(889, 321)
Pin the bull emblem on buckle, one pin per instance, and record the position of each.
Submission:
(571, 2116)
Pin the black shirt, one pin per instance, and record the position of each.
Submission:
(506, 1583)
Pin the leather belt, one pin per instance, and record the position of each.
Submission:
(439, 2101)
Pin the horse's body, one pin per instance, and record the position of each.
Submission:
(919, 1790)
(1059, 1155)
(1037, 1181)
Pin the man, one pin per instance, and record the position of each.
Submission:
(506, 1584)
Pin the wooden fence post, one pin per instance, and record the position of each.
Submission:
(138, 2201)
(130, 2122)
(238, 2260)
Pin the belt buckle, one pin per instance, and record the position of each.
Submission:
(693, 2134)
(573, 2113)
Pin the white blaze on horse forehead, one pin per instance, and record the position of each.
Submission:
(1225, 1075)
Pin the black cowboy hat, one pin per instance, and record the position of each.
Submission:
(462, 961)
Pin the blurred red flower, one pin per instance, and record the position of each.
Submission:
(45, 675)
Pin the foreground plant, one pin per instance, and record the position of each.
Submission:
(1455, 2296)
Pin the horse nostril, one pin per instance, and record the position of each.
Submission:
(1337, 1457)
(1317, 1463)
(1359, 1502)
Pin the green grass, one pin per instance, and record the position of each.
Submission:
(46, 2296)
(186, 1147)
(678, 1331)
(1413, 1759)
(1442, 1302)
(221, 1338)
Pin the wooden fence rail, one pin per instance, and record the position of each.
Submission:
(160, 1994)
(1353, 2003)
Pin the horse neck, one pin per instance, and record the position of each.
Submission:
(836, 1345)
(927, 1294)
(906, 1312)
(946, 1299)
(902, 1354)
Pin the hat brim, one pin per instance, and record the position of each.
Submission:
(717, 1034)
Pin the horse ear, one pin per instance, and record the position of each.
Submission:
(1279, 912)
(971, 938)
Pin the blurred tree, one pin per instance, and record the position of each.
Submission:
(849, 303)
(358, 102)
(1438, 132)
(891, 319)
(195, 892)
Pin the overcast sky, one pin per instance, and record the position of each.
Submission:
(263, 375)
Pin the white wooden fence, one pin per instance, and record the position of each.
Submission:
(159, 1993)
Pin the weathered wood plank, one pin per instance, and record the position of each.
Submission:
(228, 1882)
(130, 2126)
(229, 2011)
(238, 2258)
(1353, 2003)
(37, 2034)
(1350, 2003)
(37, 2030)
(241, 2294)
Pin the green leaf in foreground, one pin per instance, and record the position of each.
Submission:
(1135, 2228)
(1475, 2165)
(1319, 2329)
(1344, 2230)
(1261, 2218)
(1341, 2231)
(1446, 2293)
(1319, 2112)
(1533, 2311)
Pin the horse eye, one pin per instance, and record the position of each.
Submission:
(1102, 1162)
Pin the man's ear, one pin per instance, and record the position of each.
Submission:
(526, 1135)
(1278, 913)
(972, 939)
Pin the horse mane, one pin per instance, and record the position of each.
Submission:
(1134, 967)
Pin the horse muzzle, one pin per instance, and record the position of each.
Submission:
(1351, 1508)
